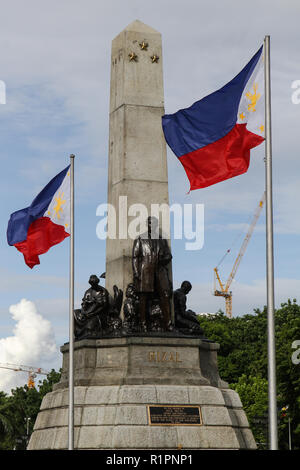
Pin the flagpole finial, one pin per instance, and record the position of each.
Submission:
(72, 155)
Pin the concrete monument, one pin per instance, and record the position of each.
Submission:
(144, 378)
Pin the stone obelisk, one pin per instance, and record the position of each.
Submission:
(137, 169)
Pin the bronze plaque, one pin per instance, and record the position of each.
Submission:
(182, 415)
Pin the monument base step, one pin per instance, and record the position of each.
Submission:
(117, 417)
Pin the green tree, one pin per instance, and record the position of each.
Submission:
(19, 411)
(6, 425)
(243, 351)
(24, 404)
(288, 374)
(253, 392)
(46, 385)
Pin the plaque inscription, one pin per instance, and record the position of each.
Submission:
(182, 415)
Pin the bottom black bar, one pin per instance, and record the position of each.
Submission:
(141, 459)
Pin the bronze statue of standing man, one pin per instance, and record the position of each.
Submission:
(151, 256)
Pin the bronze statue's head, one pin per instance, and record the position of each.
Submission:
(186, 286)
(94, 280)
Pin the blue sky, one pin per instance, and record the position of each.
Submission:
(55, 62)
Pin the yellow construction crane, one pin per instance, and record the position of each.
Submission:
(32, 372)
(224, 288)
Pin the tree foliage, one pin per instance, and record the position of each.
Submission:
(243, 363)
(19, 410)
(253, 392)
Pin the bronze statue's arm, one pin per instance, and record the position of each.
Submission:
(135, 257)
(166, 255)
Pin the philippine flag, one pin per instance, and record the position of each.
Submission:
(212, 139)
(45, 222)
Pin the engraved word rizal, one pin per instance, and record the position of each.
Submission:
(161, 356)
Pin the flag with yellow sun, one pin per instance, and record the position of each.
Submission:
(251, 111)
(46, 222)
(212, 138)
(59, 208)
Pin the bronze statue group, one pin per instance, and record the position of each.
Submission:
(148, 300)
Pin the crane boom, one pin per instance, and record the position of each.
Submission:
(32, 371)
(245, 242)
(224, 292)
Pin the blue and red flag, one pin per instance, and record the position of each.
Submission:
(212, 139)
(46, 222)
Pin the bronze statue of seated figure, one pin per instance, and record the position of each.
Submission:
(185, 320)
(99, 311)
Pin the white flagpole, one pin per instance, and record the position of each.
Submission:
(273, 434)
(71, 310)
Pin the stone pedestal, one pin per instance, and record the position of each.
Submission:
(116, 380)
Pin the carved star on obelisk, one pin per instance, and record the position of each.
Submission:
(144, 45)
(132, 57)
(154, 58)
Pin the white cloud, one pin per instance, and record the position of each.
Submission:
(32, 344)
